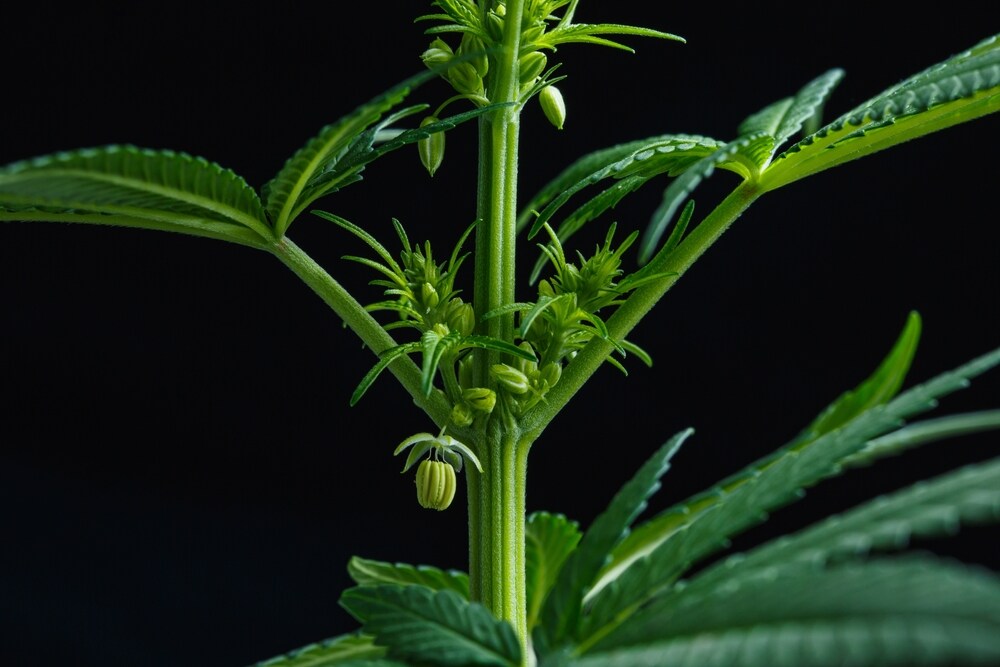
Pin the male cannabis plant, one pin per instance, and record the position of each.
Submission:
(492, 362)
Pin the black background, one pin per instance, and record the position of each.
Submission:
(181, 479)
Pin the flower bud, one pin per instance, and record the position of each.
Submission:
(494, 26)
(461, 317)
(435, 484)
(531, 66)
(473, 46)
(465, 79)
(553, 106)
(431, 149)
(550, 373)
(465, 371)
(428, 296)
(510, 378)
(461, 415)
(480, 399)
(437, 55)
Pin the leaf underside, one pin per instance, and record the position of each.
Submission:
(352, 650)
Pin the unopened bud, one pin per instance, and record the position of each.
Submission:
(553, 106)
(531, 66)
(461, 415)
(465, 79)
(437, 54)
(461, 317)
(428, 296)
(510, 378)
(480, 399)
(473, 46)
(550, 373)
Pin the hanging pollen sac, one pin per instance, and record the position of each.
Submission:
(435, 484)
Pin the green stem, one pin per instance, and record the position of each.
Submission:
(497, 497)
(362, 323)
(639, 304)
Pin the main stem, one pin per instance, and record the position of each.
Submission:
(497, 496)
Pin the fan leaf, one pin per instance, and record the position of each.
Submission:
(561, 612)
(367, 572)
(960, 89)
(436, 627)
(666, 546)
(930, 508)
(549, 540)
(285, 195)
(352, 650)
(129, 186)
(902, 590)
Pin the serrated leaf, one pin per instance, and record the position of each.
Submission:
(877, 389)
(662, 549)
(862, 642)
(666, 154)
(960, 89)
(129, 186)
(902, 589)
(586, 33)
(549, 540)
(436, 627)
(285, 194)
(367, 572)
(922, 432)
(783, 119)
(929, 508)
(353, 650)
(727, 156)
(561, 612)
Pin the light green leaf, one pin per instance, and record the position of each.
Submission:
(587, 34)
(549, 540)
(960, 89)
(435, 627)
(487, 343)
(907, 590)
(561, 612)
(286, 194)
(877, 389)
(129, 186)
(660, 550)
(376, 573)
(930, 508)
(352, 650)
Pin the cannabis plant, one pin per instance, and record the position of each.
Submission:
(491, 350)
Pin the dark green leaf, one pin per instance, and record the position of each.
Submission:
(923, 432)
(930, 508)
(903, 590)
(497, 345)
(549, 540)
(783, 119)
(660, 550)
(125, 185)
(375, 573)
(561, 613)
(352, 650)
(434, 347)
(438, 628)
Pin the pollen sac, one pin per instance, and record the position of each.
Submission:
(435, 484)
